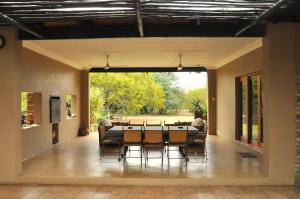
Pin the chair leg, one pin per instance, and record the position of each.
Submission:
(205, 152)
(120, 151)
(147, 154)
(141, 155)
(168, 150)
(124, 160)
(162, 156)
(186, 155)
(101, 153)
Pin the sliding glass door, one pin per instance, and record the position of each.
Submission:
(249, 106)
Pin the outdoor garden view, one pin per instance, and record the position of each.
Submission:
(147, 97)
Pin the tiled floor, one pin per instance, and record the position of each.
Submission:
(148, 192)
(80, 157)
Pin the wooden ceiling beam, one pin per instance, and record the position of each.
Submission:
(152, 30)
(258, 19)
(139, 17)
(20, 26)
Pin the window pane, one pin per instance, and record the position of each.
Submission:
(261, 110)
(254, 107)
(244, 110)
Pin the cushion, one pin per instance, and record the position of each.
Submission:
(198, 141)
(105, 122)
(106, 141)
(198, 122)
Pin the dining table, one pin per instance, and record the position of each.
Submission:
(115, 134)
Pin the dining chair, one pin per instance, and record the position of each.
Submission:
(133, 138)
(178, 138)
(105, 142)
(136, 124)
(153, 139)
(198, 145)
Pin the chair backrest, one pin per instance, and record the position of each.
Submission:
(101, 131)
(132, 136)
(160, 124)
(171, 125)
(153, 136)
(178, 136)
(153, 124)
(124, 123)
(205, 128)
(136, 124)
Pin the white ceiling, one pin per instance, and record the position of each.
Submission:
(145, 52)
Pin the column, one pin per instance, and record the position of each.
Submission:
(279, 94)
(85, 103)
(10, 124)
(212, 108)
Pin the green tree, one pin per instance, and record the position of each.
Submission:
(173, 93)
(96, 104)
(24, 102)
(128, 93)
(194, 95)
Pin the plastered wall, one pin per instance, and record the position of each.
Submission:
(249, 63)
(10, 152)
(49, 77)
(278, 60)
(279, 56)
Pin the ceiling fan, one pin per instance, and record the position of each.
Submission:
(180, 66)
(107, 66)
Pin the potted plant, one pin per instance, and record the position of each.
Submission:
(197, 109)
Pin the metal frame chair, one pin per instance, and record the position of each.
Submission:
(200, 141)
(133, 138)
(178, 138)
(161, 123)
(166, 124)
(153, 139)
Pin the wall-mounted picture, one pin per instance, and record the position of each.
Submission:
(54, 109)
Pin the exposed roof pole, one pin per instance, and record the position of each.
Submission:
(139, 17)
(258, 19)
(19, 25)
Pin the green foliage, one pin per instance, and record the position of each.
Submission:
(69, 105)
(173, 93)
(128, 94)
(68, 99)
(139, 93)
(96, 103)
(24, 102)
(195, 95)
(196, 106)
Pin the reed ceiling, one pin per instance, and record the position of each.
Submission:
(139, 17)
